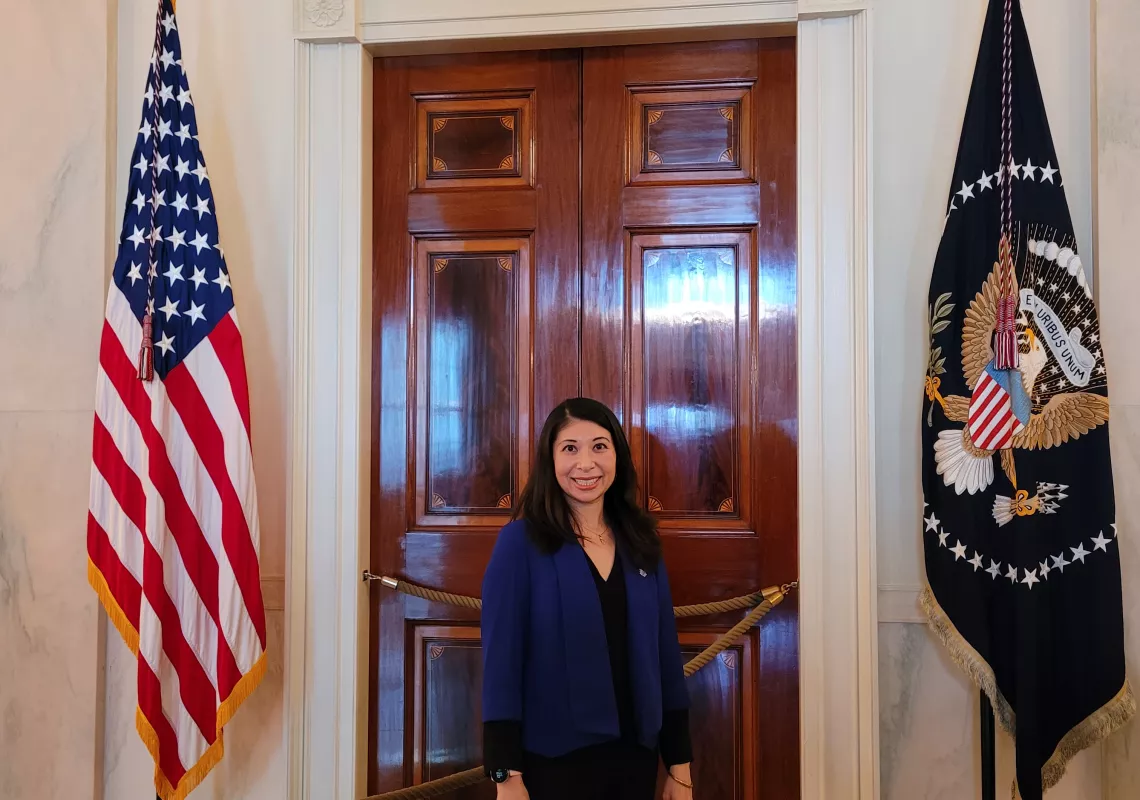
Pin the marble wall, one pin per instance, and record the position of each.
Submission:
(53, 234)
(1118, 185)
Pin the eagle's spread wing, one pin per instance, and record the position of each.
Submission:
(1066, 416)
(978, 328)
(957, 408)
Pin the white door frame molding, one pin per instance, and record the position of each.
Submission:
(326, 606)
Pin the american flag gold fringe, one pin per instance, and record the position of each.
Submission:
(243, 690)
(226, 710)
(114, 613)
(193, 777)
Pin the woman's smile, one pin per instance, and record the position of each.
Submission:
(584, 462)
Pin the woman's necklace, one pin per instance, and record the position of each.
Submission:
(596, 537)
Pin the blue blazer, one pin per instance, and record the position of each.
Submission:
(545, 659)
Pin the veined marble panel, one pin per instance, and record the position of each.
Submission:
(929, 721)
(48, 615)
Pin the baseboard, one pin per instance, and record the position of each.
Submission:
(899, 603)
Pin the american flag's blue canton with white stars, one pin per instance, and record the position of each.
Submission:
(191, 283)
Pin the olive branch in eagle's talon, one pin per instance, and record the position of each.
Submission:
(936, 364)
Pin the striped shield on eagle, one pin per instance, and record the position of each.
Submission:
(999, 408)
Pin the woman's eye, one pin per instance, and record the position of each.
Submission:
(568, 448)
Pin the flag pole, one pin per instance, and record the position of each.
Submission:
(989, 748)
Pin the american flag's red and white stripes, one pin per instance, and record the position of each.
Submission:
(992, 421)
(172, 533)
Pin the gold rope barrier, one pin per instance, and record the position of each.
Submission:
(763, 602)
(466, 601)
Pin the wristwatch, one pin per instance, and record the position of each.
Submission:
(502, 775)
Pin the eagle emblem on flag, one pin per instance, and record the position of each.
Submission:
(1038, 404)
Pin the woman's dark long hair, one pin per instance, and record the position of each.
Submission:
(545, 508)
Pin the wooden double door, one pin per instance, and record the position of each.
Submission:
(617, 223)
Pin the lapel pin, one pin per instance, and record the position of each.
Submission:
(641, 572)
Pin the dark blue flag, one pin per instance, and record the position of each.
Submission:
(1019, 518)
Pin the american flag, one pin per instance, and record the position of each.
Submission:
(172, 533)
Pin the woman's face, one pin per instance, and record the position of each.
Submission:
(584, 461)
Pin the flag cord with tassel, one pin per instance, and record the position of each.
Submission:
(1005, 327)
(1005, 336)
(146, 348)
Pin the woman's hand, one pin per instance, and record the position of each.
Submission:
(512, 789)
(678, 783)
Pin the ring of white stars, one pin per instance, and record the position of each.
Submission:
(1019, 575)
(1026, 172)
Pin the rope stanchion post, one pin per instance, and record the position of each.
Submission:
(447, 598)
(773, 596)
(761, 603)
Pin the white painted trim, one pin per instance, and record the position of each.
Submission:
(326, 21)
(390, 28)
(296, 579)
(899, 603)
(326, 604)
(838, 602)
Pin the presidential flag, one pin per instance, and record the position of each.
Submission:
(172, 533)
(1019, 526)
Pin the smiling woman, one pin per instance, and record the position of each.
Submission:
(584, 484)
(576, 603)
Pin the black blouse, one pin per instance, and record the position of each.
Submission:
(502, 739)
